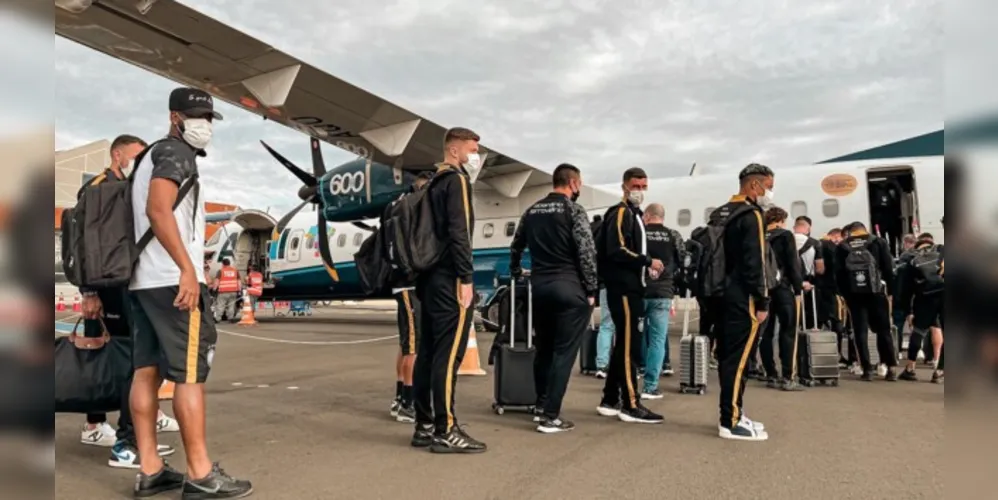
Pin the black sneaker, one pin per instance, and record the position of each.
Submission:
(406, 414)
(773, 383)
(166, 479)
(937, 377)
(394, 409)
(892, 374)
(908, 375)
(788, 385)
(639, 415)
(667, 370)
(652, 394)
(217, 484)
(608, 410)
(549, 426)
(867, 376)
(423, 436)
(456, 441)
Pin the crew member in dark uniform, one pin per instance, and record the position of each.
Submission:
(563, 278)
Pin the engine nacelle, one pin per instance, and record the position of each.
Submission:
(360, 190)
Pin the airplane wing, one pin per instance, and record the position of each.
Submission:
(186, 46)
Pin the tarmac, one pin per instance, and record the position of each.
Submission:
(300, 407)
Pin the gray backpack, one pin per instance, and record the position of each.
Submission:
(98, 236)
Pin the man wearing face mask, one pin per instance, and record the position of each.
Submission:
(173, 328)
(623, 263)
(746, 296)
(445, 293)
(106, 308)
(563, 276)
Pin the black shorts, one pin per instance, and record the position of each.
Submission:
(408, 321)
(928, 311)
(180, 343)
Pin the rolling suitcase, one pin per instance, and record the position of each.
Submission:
(587, 354)
(514, 371)
(817, 352)
(694, 358)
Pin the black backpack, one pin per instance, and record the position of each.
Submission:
(863, 272)
(412, 245)
(773, 272)
(927, 266)
(373, 269)
(711, 274)
(599, 240)
(98, 237)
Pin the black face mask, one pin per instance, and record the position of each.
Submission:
(575, 196)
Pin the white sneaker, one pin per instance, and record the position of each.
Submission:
(744, 431)
(102, 435)
(600, 374)
(755, 425)
(166, 423)
(856, 369)
(881, 370)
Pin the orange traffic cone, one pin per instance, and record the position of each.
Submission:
(248, 319)
(471, 364)
(166, 390)
(61, 304)
(77, 306)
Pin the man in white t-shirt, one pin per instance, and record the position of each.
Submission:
(173, 330)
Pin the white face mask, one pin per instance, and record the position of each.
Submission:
(127, 168)
(197, 132)
(766, 200)
(636, 197)
(473, 166)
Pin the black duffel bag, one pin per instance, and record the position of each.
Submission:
(91, 373)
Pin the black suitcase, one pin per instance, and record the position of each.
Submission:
(817, 353)
(587, 354)
(514, 370)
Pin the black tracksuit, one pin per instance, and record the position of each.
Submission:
(624, 276)
(745, 294)
(116, 312)
(666, 245)
(785, 307)
(869, 311)
(925, 303)
(563, 277)
(444, 323)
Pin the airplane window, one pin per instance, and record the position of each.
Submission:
(706, 213)
(215, 237)
(684, 217)
(797, 209)
(510, 229)
(488, 230)
(830, 208)
(342, 240)
(358, 239)
(294, 243)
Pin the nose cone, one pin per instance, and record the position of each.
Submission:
(307, 192)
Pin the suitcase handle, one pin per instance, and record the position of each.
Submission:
(802, 324)
(512, 311)
(686, 316)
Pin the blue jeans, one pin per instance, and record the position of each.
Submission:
(656, 340)
(604, 340)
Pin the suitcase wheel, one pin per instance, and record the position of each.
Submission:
(498, 409)
(807, 383)
(823, 382)
(701, 391)
(834, 382)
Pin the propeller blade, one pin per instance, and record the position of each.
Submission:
(305, 177)
(318, 165)
(283, 223)
(327, 257)
(364, 226)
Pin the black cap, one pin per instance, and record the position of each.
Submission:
(755, 169)
(193, 103)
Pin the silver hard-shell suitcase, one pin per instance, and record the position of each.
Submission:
(818, 352)
(694, 358)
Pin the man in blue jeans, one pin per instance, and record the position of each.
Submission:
(604, 339)
(666, 245)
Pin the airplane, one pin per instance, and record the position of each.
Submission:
(312, 258)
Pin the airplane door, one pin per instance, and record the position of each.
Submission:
(294, 245)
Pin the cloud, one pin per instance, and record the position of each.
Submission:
(603, 85)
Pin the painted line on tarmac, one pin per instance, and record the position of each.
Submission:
(307, 342)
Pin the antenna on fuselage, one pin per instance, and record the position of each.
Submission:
(693, 169)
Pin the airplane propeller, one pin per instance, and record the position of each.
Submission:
(309, 194)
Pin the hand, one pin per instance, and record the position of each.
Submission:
(516, 272)
(92, 307)
(188, 293)
(657, 265)
(761, 316)
(808, 286)
(466, 294)
(592, 301)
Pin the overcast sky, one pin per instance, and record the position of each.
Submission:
(604, 85)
